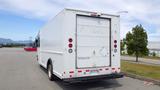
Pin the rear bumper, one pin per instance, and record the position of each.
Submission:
(94, 78)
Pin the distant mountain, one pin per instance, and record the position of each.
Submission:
(5, 41)
(9, 41)
(23, 42)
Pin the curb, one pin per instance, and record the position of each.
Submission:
(156, 82)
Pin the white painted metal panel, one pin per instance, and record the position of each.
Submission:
(93, 42)
(51, 44)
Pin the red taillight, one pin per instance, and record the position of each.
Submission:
(70, 40)
(107, 69)
(70, 45)
(115, 41)
(115, 46)
(71, 72)
(87, 70)
(113, 68)
(79, 71)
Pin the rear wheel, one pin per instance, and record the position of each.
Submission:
(50, 72)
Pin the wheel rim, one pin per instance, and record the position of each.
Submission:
(49, 71)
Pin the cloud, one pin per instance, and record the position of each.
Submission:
(140, 11)
(154, 37)
(41, 9)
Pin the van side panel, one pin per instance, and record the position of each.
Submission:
(51, 44)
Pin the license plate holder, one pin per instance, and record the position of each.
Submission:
(93, 72)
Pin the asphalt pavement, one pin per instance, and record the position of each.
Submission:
(19, 70)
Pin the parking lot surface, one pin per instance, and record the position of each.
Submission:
(19, 70)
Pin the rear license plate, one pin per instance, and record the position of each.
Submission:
(93, 72)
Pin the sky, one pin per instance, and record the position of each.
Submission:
(21, 19)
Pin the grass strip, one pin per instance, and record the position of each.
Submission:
(147, 71)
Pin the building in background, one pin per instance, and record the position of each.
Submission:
(154, 48)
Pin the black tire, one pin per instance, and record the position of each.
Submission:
(50, 72)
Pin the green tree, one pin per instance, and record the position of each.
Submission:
(137, 41)
(153, 54)
(123, 43)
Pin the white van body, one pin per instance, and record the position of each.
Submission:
(81, 44)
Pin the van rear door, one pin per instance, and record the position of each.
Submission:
(92, 42)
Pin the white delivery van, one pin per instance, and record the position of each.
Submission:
(81, 45)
